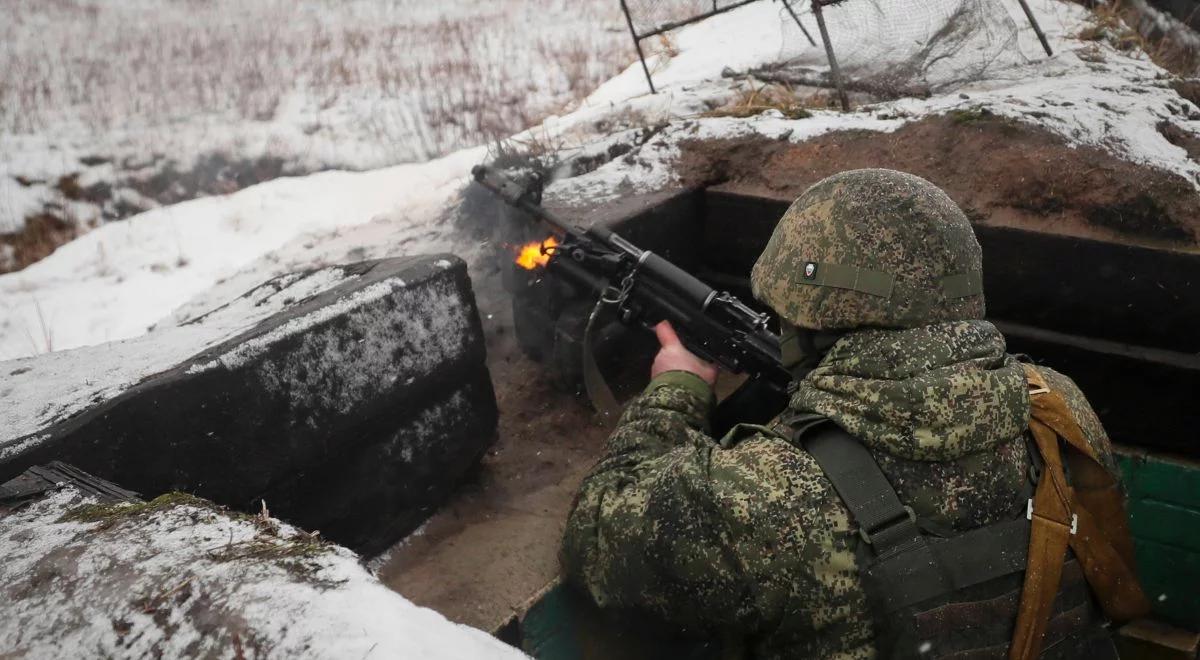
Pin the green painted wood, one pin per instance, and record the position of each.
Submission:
(565, 625)
(1171, 579)
(1148, 476)
(1162, 522)
(548, 629)
(1164, 517)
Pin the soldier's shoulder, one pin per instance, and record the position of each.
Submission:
(769, 475)
(1080, 407)
(1062, 383)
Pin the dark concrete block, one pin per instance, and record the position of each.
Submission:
(352, 411)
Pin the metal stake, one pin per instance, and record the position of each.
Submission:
(833, 65)
(798, 23)
(1036, 28)
(637, 43)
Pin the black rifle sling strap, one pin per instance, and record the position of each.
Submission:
(905, 566)
(883, 521)
(598, 391)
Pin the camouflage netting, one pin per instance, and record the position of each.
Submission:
(891, 46)
(933, 44)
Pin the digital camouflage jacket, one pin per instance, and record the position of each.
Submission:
(744, 538)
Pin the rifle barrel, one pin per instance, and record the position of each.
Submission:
(512, 193)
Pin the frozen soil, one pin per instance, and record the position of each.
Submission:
(1000, 171)
(494, 545)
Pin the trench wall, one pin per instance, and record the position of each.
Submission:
(353, 412)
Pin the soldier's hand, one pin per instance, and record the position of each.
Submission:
(672, 356)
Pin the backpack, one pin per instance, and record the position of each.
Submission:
(1018, 589)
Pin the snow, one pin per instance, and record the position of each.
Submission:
(253, 348)
(220, 87)
(192, 271)
(177, 262)
(172, 583)
(1115, 104)
(37, 392)
(116, 281)
(423, 329)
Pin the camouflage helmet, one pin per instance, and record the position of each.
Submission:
(871, 248)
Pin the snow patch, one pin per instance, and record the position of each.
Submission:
(116, 281)
(35, 392)
(174, 583)
(422, 330)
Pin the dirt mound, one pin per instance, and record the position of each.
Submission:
(1001, 172)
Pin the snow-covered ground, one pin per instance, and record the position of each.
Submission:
(132, 273)
(192, 581)
(108, 106)
(175, 263)
(117, 281)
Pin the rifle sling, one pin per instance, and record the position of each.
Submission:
(598, 391)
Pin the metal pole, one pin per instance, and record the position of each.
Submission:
(671, 25)
(1036, 28)
(637, 43)
(798, 23)
(833, 66)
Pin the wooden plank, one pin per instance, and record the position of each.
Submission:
(1154, 477)
(1163, 522)
(1170, 577)
(1151, 640)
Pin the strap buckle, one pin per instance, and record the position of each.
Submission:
(866, 537)
(1029, 516)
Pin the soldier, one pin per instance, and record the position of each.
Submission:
(887, 512)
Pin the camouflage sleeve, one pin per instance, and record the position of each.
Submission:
(673, 411)
(644, 533)
(748, 539)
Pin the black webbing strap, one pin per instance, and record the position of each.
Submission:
(884, 523)
(945, 565)
(908, 567)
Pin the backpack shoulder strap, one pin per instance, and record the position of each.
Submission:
(1087, 516)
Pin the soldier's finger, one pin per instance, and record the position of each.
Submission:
(666, 334)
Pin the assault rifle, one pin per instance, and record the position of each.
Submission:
(644, 288)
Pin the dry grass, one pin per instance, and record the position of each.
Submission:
(1122, 24)
(444, 75)
(757, 100)
(41, 235)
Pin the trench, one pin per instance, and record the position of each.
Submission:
(1123, 321)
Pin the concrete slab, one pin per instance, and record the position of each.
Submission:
(351, 408)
